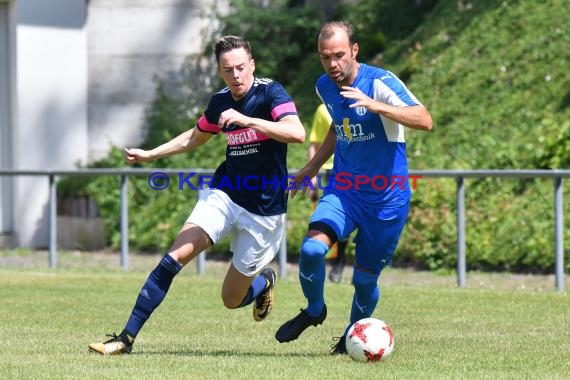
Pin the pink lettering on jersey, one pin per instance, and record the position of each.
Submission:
(205, 126)
(283, 108)
(244, 136)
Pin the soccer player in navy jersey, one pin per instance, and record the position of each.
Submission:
(245, 198)
(368, 189)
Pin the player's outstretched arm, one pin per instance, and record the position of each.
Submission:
(311, 169)
(184, 142)
(325, 151)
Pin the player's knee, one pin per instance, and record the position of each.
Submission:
(313, 249)
(363, 281)
(230, 301)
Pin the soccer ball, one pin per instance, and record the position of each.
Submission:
(369, 340)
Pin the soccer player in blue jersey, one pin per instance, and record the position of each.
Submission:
(368, 190)
(258, 119)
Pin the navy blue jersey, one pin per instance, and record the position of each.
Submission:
(370, 163)
(256, 166)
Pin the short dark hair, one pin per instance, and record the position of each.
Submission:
(327, 30)
(229, 42)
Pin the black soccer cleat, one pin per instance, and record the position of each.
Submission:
(335, 274)
(338, 346)
(291, 329)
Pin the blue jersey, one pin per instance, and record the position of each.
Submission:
(255, 164)
(370, 164)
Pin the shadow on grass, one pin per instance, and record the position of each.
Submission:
(228, 353)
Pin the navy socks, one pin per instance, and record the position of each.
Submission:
(152, 293)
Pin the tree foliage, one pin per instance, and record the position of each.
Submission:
(494, 76)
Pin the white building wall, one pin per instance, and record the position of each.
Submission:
(51, 97)
(84, 73)
(132, 43)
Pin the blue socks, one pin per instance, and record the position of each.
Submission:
(312, 274)
(152, 293)
(366, 295)
(257, 286)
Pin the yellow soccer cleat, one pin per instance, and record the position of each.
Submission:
(264, 302)
(114, 346)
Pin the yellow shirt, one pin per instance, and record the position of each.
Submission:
(319, 129)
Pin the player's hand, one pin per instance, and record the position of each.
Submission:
(302, 181)
(135, 156)
(360, 99)
(231, 116)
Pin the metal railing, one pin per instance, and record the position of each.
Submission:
(459, 176)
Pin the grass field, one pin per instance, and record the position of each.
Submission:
(500, 327)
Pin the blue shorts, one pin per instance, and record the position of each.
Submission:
(379, 229)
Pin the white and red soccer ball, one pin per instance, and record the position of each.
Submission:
(369, 340)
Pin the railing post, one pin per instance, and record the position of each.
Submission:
(283, 251)
(201, 263)
(124, 223)
(460, 205)
(52, 222)
(559, 232)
